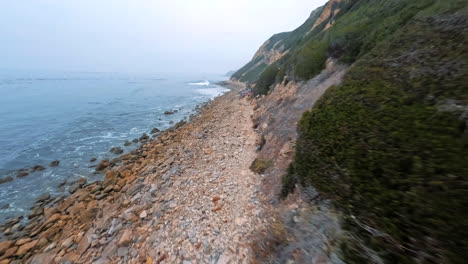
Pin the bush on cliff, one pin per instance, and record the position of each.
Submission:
(357, 28)
(390, 145)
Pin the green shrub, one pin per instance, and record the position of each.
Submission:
(380, 146)
(259, 166)
(266, 80)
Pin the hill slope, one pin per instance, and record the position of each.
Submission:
(389, 144)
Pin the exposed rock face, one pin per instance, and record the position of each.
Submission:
(331, 9)
(281, 44)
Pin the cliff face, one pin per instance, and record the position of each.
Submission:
(274, 49)
(386, 144)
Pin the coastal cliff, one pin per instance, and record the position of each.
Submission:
(351, 147)
(363, 122)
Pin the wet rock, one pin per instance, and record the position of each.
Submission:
(73, 188)
(144, 137)
(38, 168)
(135, 140)
(43, 197)
(127, 143)
(13, 221)
(116, 150)
(22, 174)
(179, 124)
(92, 160)
(62, 183)
(54, 163)
(155, 130)
(7, 179)
(76, 185)
(82, 181)
(36, 212)
(102, 165)
(171, 112)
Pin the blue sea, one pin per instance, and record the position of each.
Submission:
(73, 117)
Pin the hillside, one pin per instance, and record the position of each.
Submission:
(384, 135)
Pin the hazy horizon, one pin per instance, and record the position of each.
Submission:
(207, 36)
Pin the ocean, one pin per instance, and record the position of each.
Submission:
(74, 117)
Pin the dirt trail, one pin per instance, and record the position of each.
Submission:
(186, 197)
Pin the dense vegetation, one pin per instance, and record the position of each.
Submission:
(390, 145)
(357, 28)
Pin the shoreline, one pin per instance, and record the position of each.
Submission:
(62, 188)
(101, 219)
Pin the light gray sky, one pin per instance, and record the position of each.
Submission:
(206, 36)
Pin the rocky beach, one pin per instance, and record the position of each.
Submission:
(188, 196)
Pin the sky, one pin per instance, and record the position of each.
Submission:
(173, 36)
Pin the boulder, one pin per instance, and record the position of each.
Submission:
(116, 150)
(7, 179)
(4, 246)
(127, 143)
(135, 140)
(22, 174)
(125, 239)
(102, 165)
(143, 214)
(38, 168)
(144, 137)
(155, 130)
(170, 112)
(89, 215)
(92, 160)
(35, 212)
(76, 185)
(43, 197)
(26, 248)
(54, 163)
(10, 252)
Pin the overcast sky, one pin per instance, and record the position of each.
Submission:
(205, 36)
